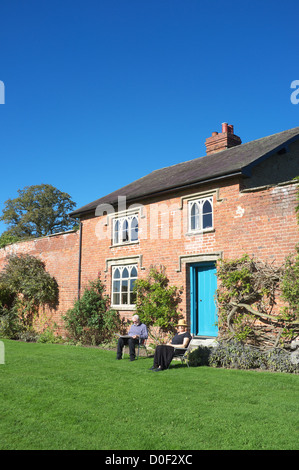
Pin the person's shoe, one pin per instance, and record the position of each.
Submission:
(118, 358)
(132, 359)
(152, 368)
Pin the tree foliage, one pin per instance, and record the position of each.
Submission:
(38, 211)
(290, 284)
(25, 286)
(157, 303)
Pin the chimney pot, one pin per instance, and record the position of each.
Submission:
(224, 127)
(214, 134)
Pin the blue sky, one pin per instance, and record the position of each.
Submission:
(99, 93)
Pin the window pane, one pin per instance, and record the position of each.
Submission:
(125, 231)
(134, 272)
(194, 219)
(116, 232)
(125, 273)
(132, 282)
(207, 215)
(116, 299)
(134, 229)
(124, 292)
(207, 208)
(116, 274)
(116, 286)
(207, 221)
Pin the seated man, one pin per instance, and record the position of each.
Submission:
(137, 331)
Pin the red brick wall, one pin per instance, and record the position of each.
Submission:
(60, 255)
(260, 223)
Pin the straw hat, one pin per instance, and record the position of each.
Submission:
(182, 323)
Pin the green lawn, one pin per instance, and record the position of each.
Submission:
(67, 397)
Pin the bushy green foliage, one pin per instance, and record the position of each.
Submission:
(236, 355)
(49, 336)
(25, 286)
(199, 356)
(157, 303)
(7, 238)
(91, 321)
(31, 286)
(290, 284)
(11, 326)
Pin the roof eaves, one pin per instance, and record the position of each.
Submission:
(91, 210)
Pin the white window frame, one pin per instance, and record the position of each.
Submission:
(197, 225)
(123, 231)
(121, 289)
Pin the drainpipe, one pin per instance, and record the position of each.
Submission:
(79, 262)
(80, 254)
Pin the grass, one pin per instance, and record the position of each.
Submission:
(66, 397)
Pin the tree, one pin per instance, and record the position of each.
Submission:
(157, 303)
(39, 210)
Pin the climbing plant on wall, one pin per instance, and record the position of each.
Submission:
(247, 303)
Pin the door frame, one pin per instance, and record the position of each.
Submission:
(193, 273)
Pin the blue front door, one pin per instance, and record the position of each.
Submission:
(203, 285)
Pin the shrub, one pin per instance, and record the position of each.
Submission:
(29, 286)
(236, 355)
(157, 303)
(200, 356)
(91, 321)
(11, 326)
(48, 336)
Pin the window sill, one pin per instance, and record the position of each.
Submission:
(117, 245)
(123, 307)
(199, 232)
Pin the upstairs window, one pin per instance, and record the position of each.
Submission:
(123, 280)
(200, 214)
(125, 230)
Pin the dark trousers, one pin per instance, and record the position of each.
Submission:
(126, 341)
(163, 356)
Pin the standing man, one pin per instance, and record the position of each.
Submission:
(138, 331)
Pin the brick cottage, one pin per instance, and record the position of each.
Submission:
(239, 198)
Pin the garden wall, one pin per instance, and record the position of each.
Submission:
(60, 254)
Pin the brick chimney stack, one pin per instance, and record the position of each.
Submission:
(223, 140)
